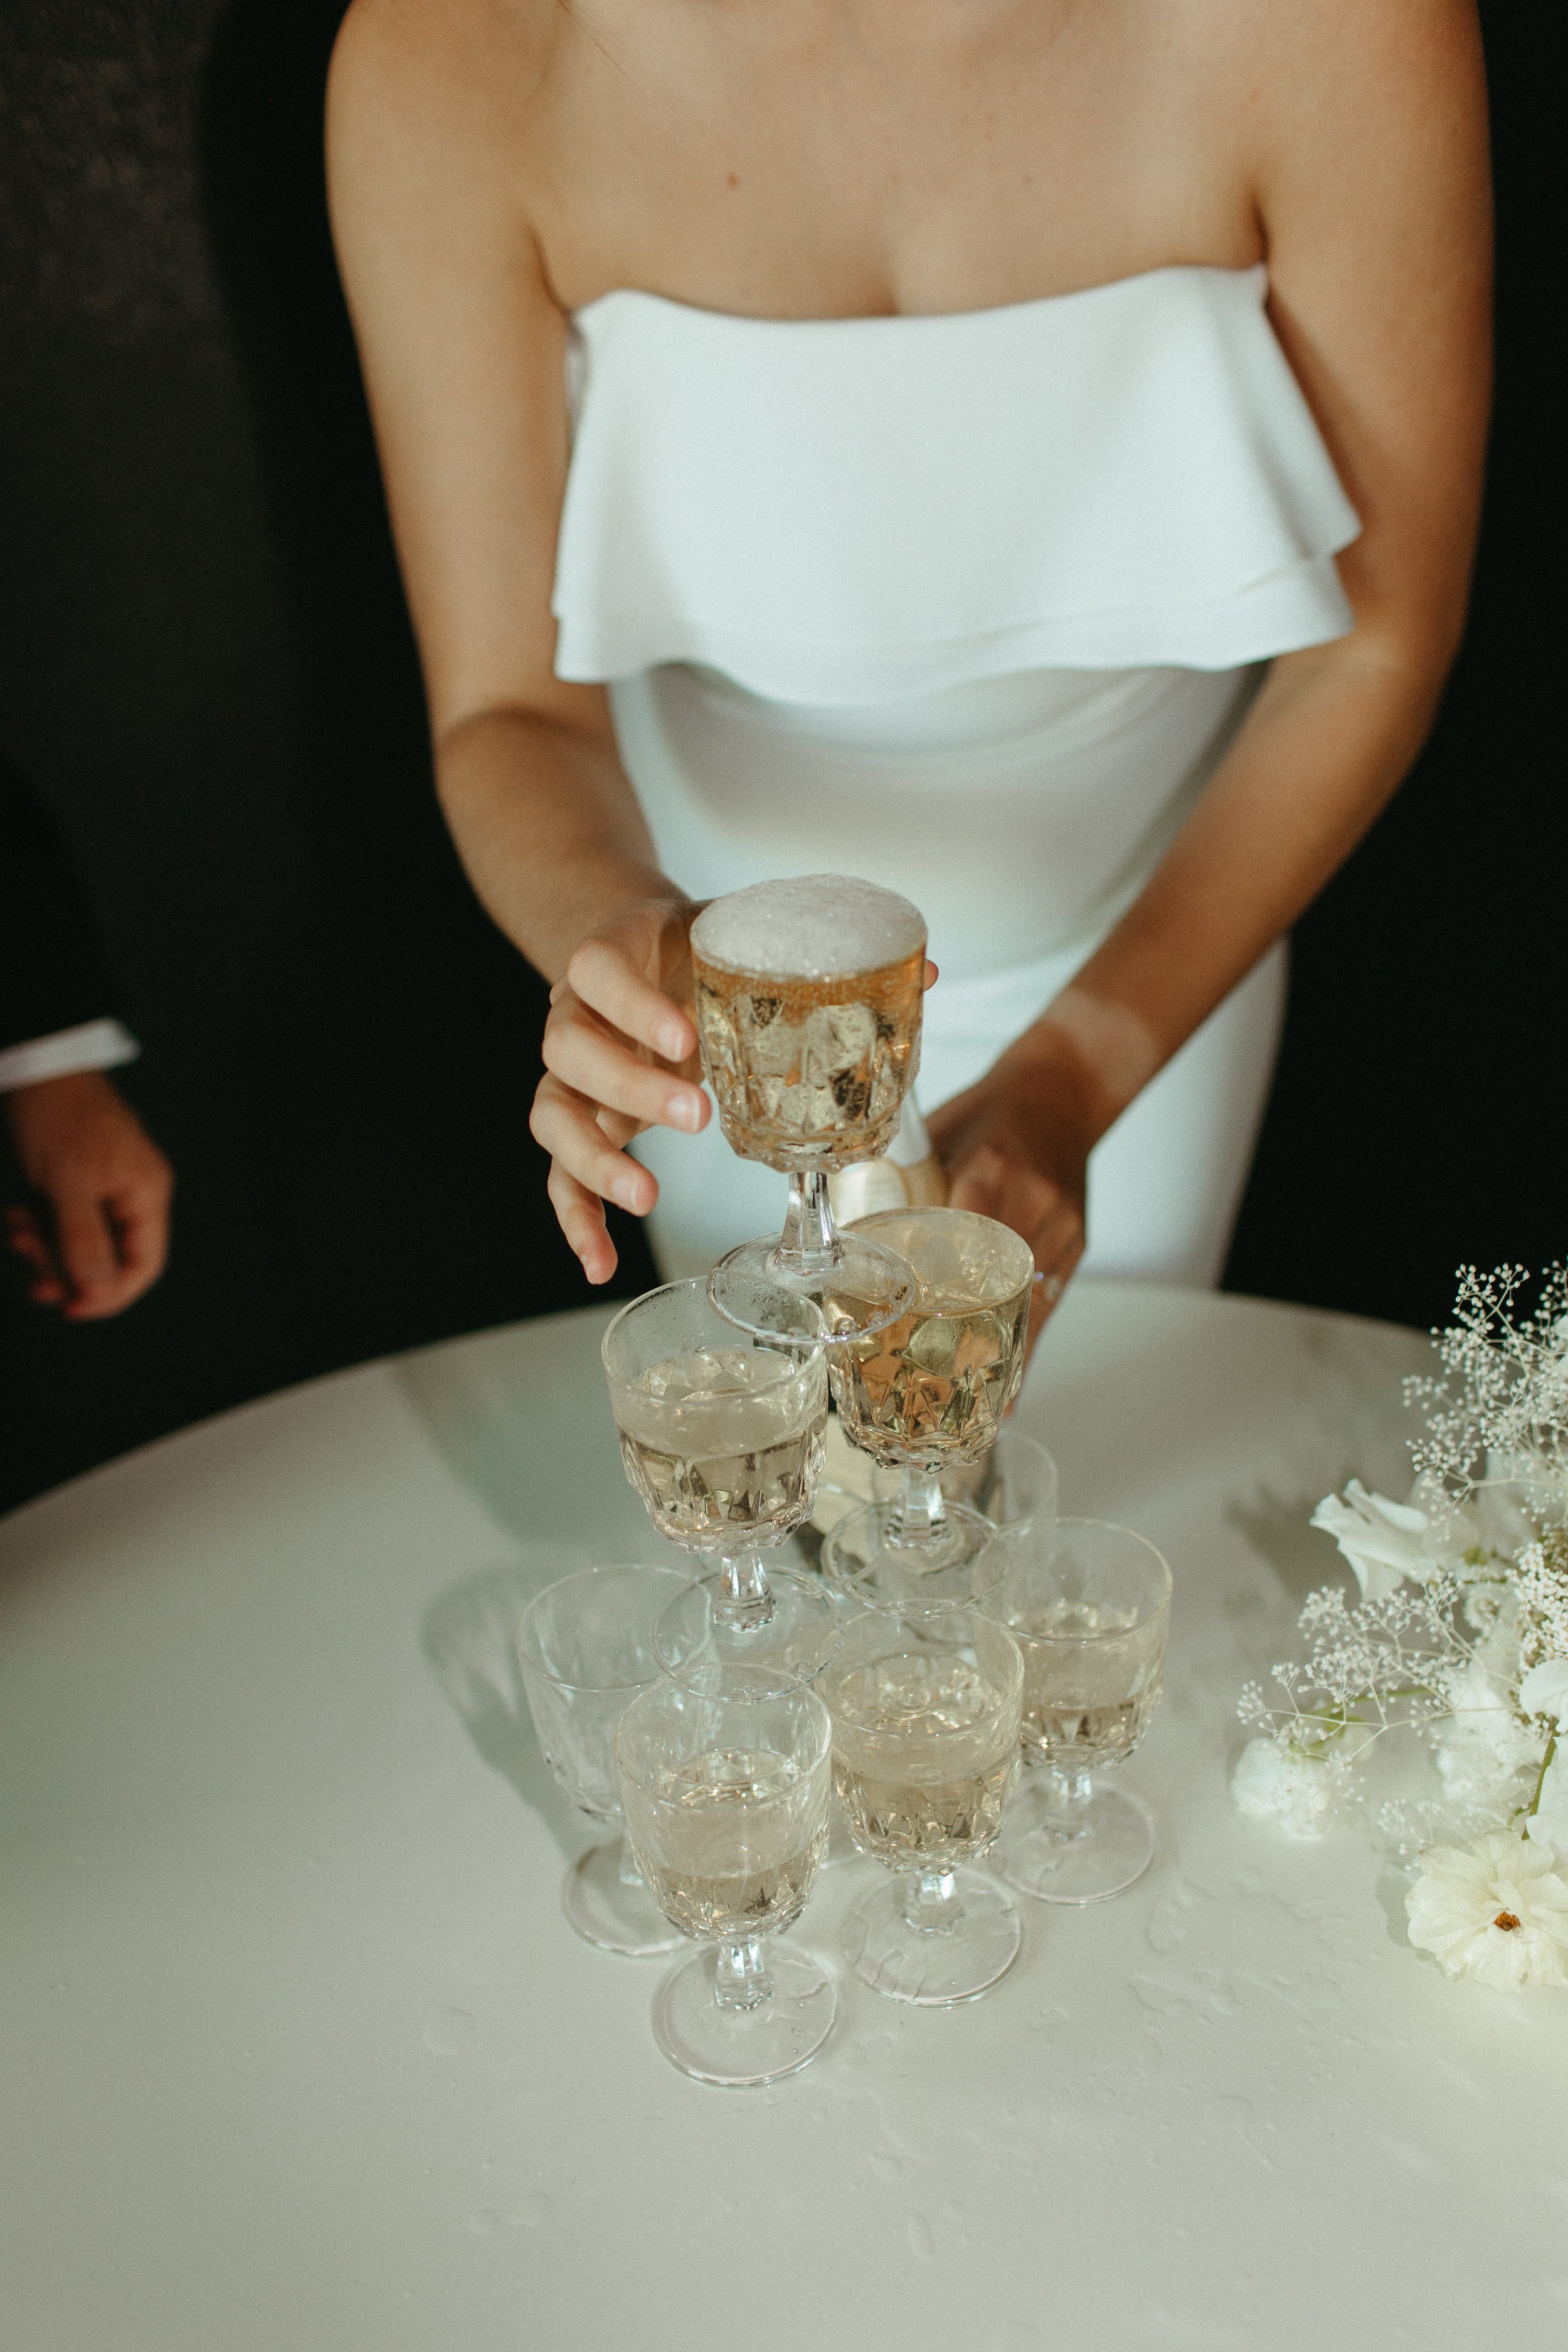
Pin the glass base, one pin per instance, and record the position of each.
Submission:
(740, 2049)
(693, 1630)
(863, 1563)
(1083, 1853)
(936, 1968)
(865, 1288)
(611, 1915)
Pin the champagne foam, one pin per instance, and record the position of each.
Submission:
(816, 927)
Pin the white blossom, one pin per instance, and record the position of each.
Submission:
(1545, 1690)
(1297, 1793)
(1548, 1824)
(1482, 1743)
(1384, 1542)
(1495, 1910)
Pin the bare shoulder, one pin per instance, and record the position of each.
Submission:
(451, 81)
(1328, 69)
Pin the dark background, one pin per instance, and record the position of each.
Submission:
(205, 670)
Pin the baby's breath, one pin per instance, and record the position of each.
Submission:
(1478, 1563)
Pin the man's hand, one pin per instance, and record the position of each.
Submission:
(106, 1187)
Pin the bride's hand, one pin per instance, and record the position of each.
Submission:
(620, 1055)
(1015, 1146)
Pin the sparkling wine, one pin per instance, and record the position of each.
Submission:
(808, 996)
(933, 1386)
(1089, 1687)
(924, 1752)
(730, 1842)
(724, 1445)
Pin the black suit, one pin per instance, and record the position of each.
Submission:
(52, 973)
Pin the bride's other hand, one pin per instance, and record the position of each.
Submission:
(620, 1055)
(1015, 1145)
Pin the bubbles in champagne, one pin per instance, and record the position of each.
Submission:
(814, 927)
(808, 998)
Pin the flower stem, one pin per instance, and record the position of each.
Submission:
(1535, 1805)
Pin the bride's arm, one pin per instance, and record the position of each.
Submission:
(1372, 192)
(463, 347)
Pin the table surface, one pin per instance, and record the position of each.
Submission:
(297, 2050)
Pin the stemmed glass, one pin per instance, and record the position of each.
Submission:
(926, 1395)
(1016, 1480)
(1089, 1605)
(925, 1707)
(722, 1436)
(725, 1780)
(807, 997)
(584, 1649)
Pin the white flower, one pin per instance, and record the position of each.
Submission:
(1545, 1690)
(1548, 1824)
(1482, 1746)
(1295, 1793)
(1495, 1910)
(1384, 1542)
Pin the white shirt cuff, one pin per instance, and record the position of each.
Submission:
(94, 1045)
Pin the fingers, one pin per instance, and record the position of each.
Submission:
(566, 1124)
(994, 1183)
(606, 980)
(594, 1063)
(24, 1237)
(1057, 1255)
(581, 1216)
(85, 1248)
(139, 1220)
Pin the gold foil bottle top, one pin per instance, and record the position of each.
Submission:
(910, 1177)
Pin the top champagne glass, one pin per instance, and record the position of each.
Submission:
(808, 996)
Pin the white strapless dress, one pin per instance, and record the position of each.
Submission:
(970, 605)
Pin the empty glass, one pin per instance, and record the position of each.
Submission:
(1016, 1481)
(725, 1781)
(584, 1649)
(1089, 1605)
(927, 1396)
(808, 999)
(722, 1436)
(925, 1707)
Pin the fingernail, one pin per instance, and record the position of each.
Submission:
(672, 1041)
(686, 1110)
(629, 1192)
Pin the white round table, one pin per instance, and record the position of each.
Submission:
(298, 2053)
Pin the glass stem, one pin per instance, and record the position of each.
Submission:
(740, 1977)
(630, 1875)
(932, 1902)
(922, 1519)
(809, 1243)
(746, 1598)
(1070, 1786)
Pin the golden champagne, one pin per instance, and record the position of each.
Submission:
(808, 996)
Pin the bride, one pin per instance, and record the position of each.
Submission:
(1025, 452)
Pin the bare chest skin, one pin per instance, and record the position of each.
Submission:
(845, 158)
